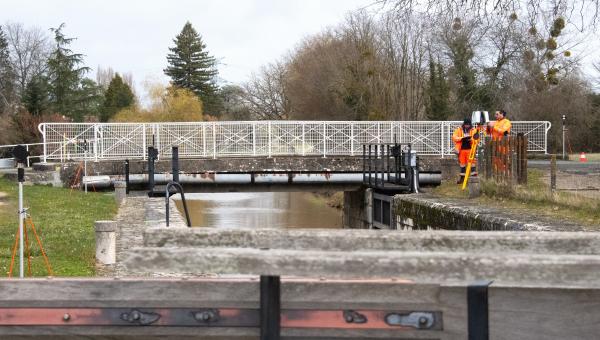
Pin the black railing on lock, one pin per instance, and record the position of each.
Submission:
(153, 157)
(390, 163)
(127, 177)
(167, 200)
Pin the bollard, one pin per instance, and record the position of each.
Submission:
(106, 240)
(474, 187)
(56, 182)
(120, 192)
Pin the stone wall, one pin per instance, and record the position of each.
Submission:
(419, 212)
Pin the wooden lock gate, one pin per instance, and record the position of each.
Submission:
(394, 285)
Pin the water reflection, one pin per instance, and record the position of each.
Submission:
(261, 210)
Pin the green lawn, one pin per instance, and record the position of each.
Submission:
(65, 221)
(535, 198)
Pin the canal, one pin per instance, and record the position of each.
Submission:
(261, 210)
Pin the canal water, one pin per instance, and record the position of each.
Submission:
(261, 210)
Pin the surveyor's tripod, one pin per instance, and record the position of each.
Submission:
(28, 223)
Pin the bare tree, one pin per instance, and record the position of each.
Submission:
(404, 58)
(29, 50)
(105, 75)
(597, 77)
(583, 13)
(265, 93)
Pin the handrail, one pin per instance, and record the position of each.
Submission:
(177, 186)
(119, 141)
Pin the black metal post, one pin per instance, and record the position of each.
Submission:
(369, 164)
(397, 156)
(382, 163)
(151, 154)
(376, 164)
(387, 157)
(270, 308)
(127, 176)
(364, 164)
(175, 163)
(477, 311)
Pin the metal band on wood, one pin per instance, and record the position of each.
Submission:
(225, 317)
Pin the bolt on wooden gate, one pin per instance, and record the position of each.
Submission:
(505, 161)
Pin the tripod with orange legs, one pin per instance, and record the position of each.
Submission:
(28, 224)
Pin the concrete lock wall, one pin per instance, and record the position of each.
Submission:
(418, 212)
(358, 209)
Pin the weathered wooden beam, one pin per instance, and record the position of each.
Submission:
(515, 312)
(300, 299)
(578, 243)
(435, 267)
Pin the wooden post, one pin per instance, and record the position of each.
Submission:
(518, 156)
(524, 160)
(514, 161)
(507, 165)
(502, 161)
(553, 174)
(487, 159)
(493, 153)
(508, 157)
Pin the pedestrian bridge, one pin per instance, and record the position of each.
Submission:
(120, 141)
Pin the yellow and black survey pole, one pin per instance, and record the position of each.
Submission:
(472, 155)
(478, 118)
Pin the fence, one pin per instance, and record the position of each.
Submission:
(505, 161)
(64, 141)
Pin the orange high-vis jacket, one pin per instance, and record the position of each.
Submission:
(501, 128)
(458, 135)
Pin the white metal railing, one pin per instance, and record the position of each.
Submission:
(63, 141)
(7, 149)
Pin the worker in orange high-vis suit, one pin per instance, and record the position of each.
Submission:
(499, 129)
(462, 138)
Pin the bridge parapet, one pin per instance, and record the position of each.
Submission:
(65, 141)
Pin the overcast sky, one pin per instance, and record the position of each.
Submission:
(134, 36)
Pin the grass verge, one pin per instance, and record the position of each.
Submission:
(65, 222)
(534, 198)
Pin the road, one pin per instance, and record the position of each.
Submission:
(567, 166)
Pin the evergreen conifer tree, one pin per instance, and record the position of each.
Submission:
(191, 67)
(7, 76)
(90, 97)
(65, 76)
(35, 98)
(118, 96)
